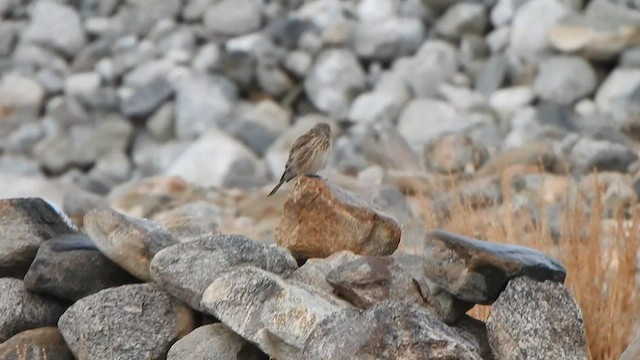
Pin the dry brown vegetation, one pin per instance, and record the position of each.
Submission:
(599, 255)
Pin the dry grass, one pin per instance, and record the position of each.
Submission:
(600, 258)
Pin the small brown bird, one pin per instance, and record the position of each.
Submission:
(308, 154)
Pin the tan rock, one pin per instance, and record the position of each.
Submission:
(320, 219)
(42, 343)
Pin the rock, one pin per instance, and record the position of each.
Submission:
(618, 94)
(632, 351)
(531, 154)
(232, 18)
(589, 154)
(145, 99)
(25, 223)
(333, 81)
(601, 32)
(368, 280)
(462, 18)
(314, 271)
(266, 310)
(564, 79)
(161, 124)
(492, 75)
(22, 310)
(8, 35)
(386, 39)
(71, 267)
(531, 24)
(475, 331)
(477, 271)
(234, 166)
(320, 219)
(388, 330)
(191, 221)
(43, 343)
(508, 100)
(214, 342)
(258, 125)
(55, 25)
(504, 11)
(127, 241)
(20, 96)
(454, 153)
(384, 145)
(186, 270)
(203, 102)
(463, 98)
(82, 85)
(127, 322)
(528, 316)
(145, 71)
(375, 107)
(425, 119)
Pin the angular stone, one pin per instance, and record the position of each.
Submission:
(536, 320)
(127, 241)
(22, 310)
(463, 18)
(564, 79)
(618, 94)
(387, 39)
(145, 99)
(56, 25)
(127, 322)
(42, 343)
(478, 271)
(266, 310)
(214, 342)
(602, 155)
(314, 271)
(25, 223)
(368, 280)
(71, 267)
(388, 330)
(320, 219)
(20, 97)
(232, 17)
(475, 331)
(186, 270)
(191, 221)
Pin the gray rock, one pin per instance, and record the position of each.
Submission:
(234, 165)
(186, 270)
(151, 157)
(214, 342)
(26, 223)
(145, 72)
(127, 241)
(273, 80)
(388, 330)
(45, 342)
(454, 153)
(71, 267)
(463, 18)
(589, 154)
(435, 62)
(24, 137)
(508, 100)
(202, 102)
(504, 11)
(333, 81)
(619, 93)
(266, 310)
(475, 331)
(527, 318)
(161, 124)
(298, 62)
(8, 35)
(530, 26)
(233, 17)
(127, 322)
(191, 221)
(145, 99)
(564, 79)
(477, 271)
(56, 25)
(82, 85)
(376, 106)
(386, 39)
(207, 57)
(21, 96)
(22, 310)
(463, 98)
(259, 124)
(314, 271)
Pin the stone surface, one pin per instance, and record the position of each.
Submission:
(232, 17)
(20, 97)
(617, 95)
(478, 271)
(462, 18)
(127, 322)
(454, 153)
(320, 219)
(564, 79)
(191, 221)
(127, 241)
(388, 330)
(25, 223)
(536, 320)
(57, 25)
(589, 154)
(314, 271)
(266, 310)
(186, 270)
(42, 343)
(214, 342)
(22, 310)
(71, 267)
(632, 351)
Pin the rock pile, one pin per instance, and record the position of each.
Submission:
(129, 289)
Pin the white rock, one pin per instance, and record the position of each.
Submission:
(505, 101)
(56, 25)
(616, 94)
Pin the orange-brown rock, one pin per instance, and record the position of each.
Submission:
(320, 219)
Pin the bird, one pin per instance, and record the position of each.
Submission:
(308, 154)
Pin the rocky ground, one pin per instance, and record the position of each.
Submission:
(166, 124)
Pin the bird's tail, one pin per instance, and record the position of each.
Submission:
(276, 188)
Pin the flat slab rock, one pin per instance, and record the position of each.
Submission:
(536, 320)
(186, 270)
(22, 310)
(477, 271)
(263, 308)
(320, 219)
(25, 223)
(42, 343)
(386, 331)
(214, 342)
(128, 241)
(68, 267)
(138, 321)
